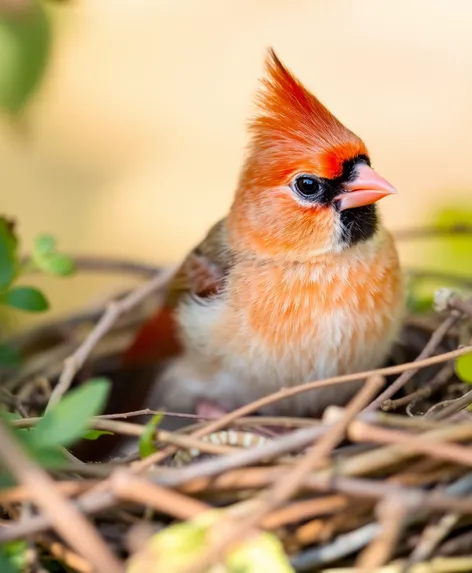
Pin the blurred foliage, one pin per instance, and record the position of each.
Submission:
(45, 257)
(95, 434)
(452, 254)
(177, 546)
(146, 440)
(25, 44)
(13, 557)
(61, 426)
(463, 368)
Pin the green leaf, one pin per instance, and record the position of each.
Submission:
(60, 265)
(25, 42)
(8, 255)
(44, 244)
(179, 545)
(6, 565)
(95, 434)
(10, 416)
(66, 422)
(10, 357)
(46, 257)
(47, 457)
(463, 368)
(146, 446)
(25, 298)
(15, 552)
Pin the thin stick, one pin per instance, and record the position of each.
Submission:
(433, 343)
(136, 430)
(391, 512)
(452, 407)
(134, 488)
(114, 309)
(441, 378)
(433, 232)
(360, 431)
(66, 518)
(65, 555)
(22, 493)
(284, 488)
(301, 388)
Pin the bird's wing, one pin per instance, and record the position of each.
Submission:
(201, 274)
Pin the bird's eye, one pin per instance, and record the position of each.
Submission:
(307, 185)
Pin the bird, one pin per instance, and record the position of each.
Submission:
(299, 282)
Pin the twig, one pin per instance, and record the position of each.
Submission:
(435, 532)
(21, 493)
(113, 311)
(133, 488)
(391, 512)
(462, 306)
(284, 488)
(433, 343)
(443, 411)
(289, 392)
(433, 232)
(363, 432)
(65, 555)
(66, 518)
(107, 264)
(300, 510)
(136, 430)
(341, 547)
(441, 378)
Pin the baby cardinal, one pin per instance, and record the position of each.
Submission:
(299, 282)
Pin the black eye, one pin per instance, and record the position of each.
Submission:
(307, 185)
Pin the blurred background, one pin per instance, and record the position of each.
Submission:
(132, 143)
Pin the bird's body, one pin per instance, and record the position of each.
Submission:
(299, 282)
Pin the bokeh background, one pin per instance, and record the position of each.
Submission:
(131, 146)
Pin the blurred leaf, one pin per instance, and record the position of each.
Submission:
(45, 244)
(177, 546)
(48, 457)
(8, 563)
(262, 552)
(8, 256)
(25, 298)
(463, 368)
(10, 416)
(95, 434)
(146, 446)
(69, 419)
(10, 357)
(46, 257)
(453, 253)
(25, 41)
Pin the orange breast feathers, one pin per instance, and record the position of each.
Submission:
(345, 308)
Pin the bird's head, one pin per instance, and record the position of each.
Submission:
(307, 186)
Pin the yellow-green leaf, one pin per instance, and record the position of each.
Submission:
(146, 445)
(95, 434)
(25, 41)
(179, 545)
(463, 368)
(8, 256)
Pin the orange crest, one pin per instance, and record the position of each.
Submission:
(294, 131)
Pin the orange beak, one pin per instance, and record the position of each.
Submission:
(367, 188)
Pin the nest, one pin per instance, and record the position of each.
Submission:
(382, 484)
